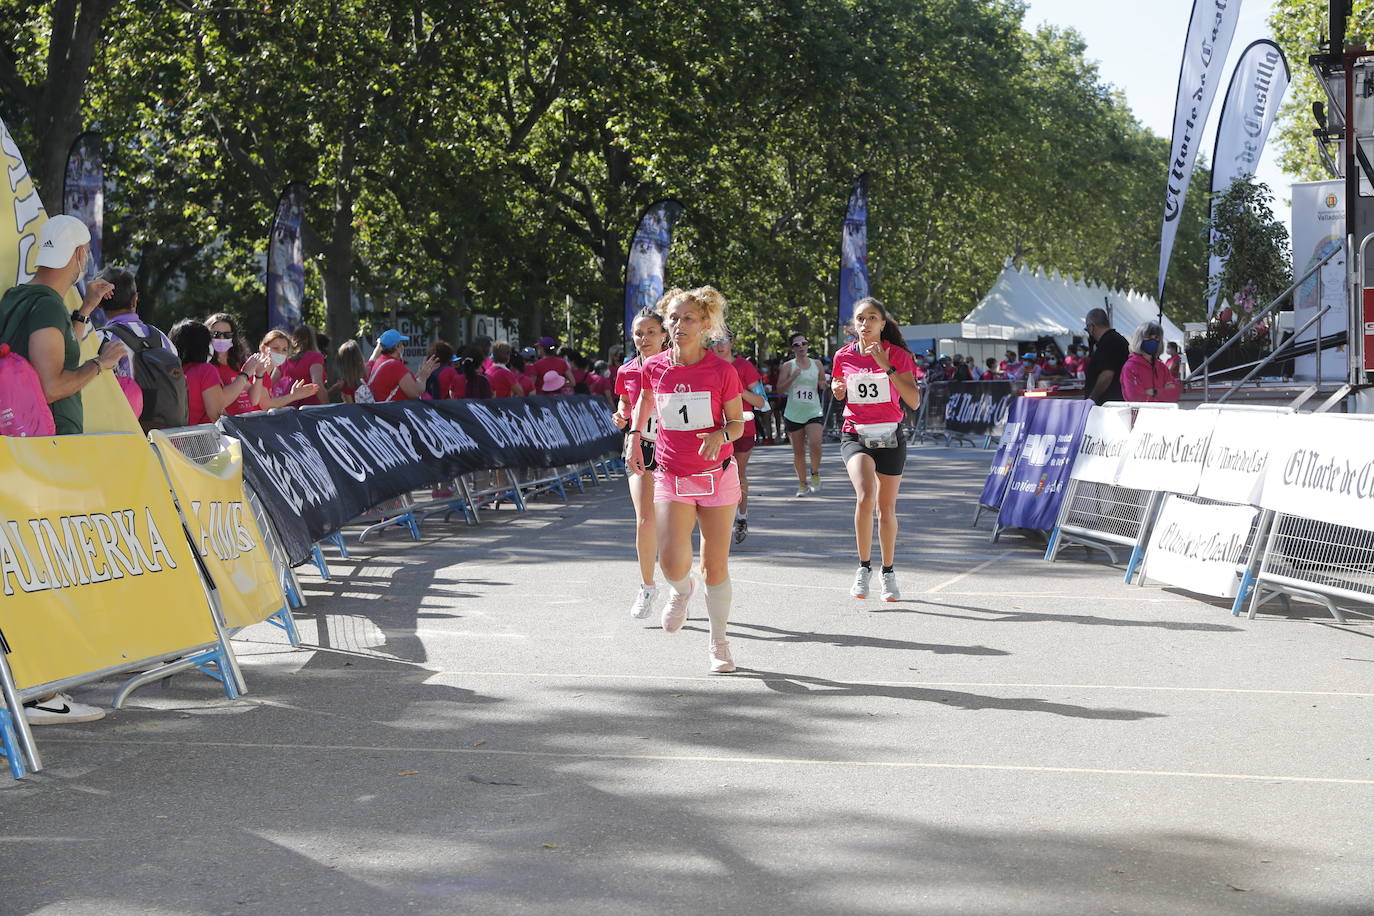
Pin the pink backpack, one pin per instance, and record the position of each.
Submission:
(24, 410)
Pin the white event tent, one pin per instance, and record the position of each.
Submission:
(1023, 305)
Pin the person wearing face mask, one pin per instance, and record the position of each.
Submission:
(1053, 368)
(237, 369)
(275, 388)
(1146, 377)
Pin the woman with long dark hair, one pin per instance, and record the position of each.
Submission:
(873, 376)
(306, 363)
(237, 367)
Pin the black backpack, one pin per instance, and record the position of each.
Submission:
(159, 374)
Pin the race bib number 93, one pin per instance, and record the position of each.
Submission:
(868, 388)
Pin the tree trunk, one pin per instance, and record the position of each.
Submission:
(340, 322)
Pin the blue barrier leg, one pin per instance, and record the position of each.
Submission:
(1053, 543)
(319, 562)
(283, 620)
(337, 539)
(409, 521)
(1247, 582)
(293, 597)
(10, 741)
(1133, 562)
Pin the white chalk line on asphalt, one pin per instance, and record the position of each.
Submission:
(747, 676)
(704, 758)
(964, 575)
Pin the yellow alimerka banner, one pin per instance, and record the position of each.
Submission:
(225, 531)
(95, 568)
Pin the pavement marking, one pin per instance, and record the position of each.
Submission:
(703, 758)
(744, 675)
(977, 569)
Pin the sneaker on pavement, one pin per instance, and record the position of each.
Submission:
(741, 530)
(644, 602)
(860, 587)
(890, 590)
(815, 483)
(60, 710)
(802, 491)
(675, 611)
(721, 662)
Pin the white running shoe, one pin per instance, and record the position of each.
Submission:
(644, 602)
(721, 662)
(675, 611)
(802, 491)
(860, 587)
(60, 710)
(815, 483)
(741, 529)
(890, 590)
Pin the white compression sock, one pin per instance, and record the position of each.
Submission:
(681, 586)
(718, 599)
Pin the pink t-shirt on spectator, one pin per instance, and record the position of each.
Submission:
(677, 449)
(298, 369)
(244, 402)
(384, 378)
(452, 384)
(199, 376)
(849, 361)
(502, 380)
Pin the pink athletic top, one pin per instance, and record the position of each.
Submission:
(298, 369)
(199, 378)
(244, 402)
(691, 399)
(849, 361)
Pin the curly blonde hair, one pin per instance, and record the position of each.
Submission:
(708, 302)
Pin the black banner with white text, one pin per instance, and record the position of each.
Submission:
(317, 469)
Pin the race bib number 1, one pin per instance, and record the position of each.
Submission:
(685, 410)
(868, 388)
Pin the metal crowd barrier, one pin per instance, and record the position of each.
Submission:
(1317, 561)
(202, 444)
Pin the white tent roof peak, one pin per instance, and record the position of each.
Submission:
(1032, 304)
(1008, 261)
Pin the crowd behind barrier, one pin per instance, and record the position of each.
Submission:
(1247, 503)
(98, 582)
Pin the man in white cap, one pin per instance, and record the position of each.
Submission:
(35, 322)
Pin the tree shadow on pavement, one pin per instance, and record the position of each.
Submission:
(992, 615)
(846, 640)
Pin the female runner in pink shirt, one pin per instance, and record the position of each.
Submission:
(872, 376)
(650, 337)
(695, 396)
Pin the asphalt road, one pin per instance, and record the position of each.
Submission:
(478, 725)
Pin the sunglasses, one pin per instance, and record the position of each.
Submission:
(800, 343)
(222, 335)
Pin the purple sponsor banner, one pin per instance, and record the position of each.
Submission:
(854, 253)
(1013, 435)
(1036, 485)
(646, 263)
(286, 260)
(83, 196)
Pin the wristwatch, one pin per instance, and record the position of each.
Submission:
(77, 316)
(890, 369)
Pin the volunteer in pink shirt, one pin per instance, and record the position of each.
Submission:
(695, 396)
(1146, 376)
(873, 376)
(650, 337)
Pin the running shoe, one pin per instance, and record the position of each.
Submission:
(741, 530)
(815, 483)
(890, 590)
(860, 587)
(675, 611)
(644, 602)
(802, 491)
(721, 662)
(60, 710)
